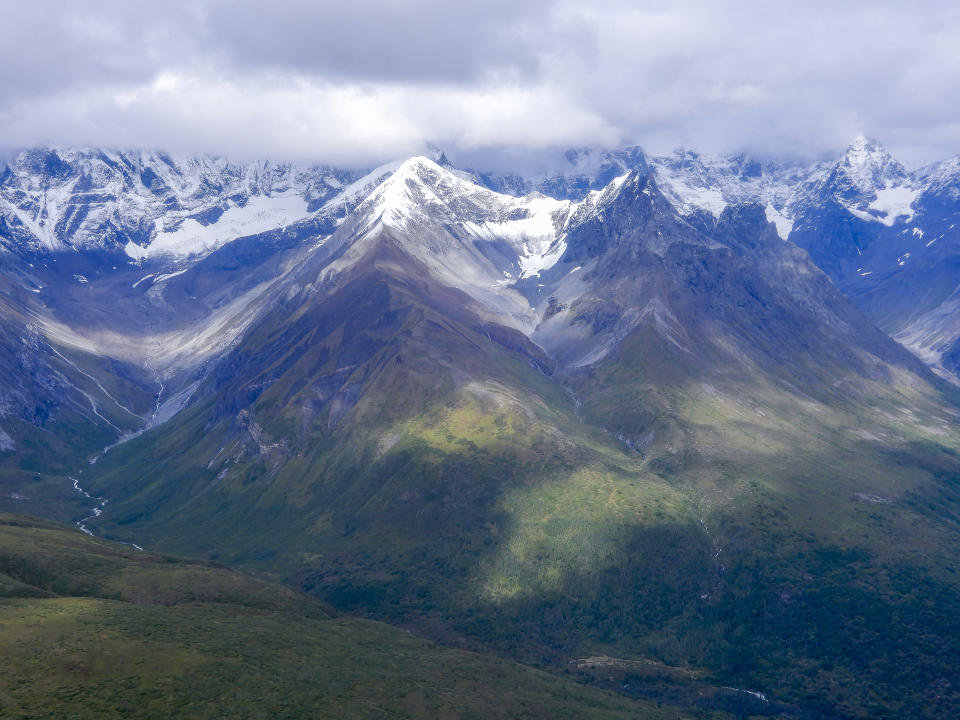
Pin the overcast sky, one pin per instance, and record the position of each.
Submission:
(365, 80)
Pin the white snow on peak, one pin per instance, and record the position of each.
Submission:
(865, 151)
(686, 182)
(688, 198)
(692, 181)
(943, 178)
(487, 244)
(868, 165)
(871, 184)
(402, 196)
(359, 189)
(420, 190)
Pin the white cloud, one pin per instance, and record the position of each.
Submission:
(297, 117)
(358, 82)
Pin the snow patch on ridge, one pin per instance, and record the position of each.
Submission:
(894, 202)
(260, 214)
(535, 234)
(783, 223)
(689, 197)
(137, 252)
(540, 258)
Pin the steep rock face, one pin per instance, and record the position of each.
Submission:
(696, 182)
(917, 303)
(884, 235)
(739, 372)
(844, 221)
(864, 172)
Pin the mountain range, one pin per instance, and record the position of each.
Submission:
(683, 412)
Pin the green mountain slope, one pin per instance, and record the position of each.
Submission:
(90, 629)
(823, 460)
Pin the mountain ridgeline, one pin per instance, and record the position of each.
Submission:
(646, 410)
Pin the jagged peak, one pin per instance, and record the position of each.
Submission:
(420, 190)
(865, 170)
(438, 155)
(418, 187)
(867, 160)
(864, 149)
(394, 193)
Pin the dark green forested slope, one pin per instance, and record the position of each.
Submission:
(92, 629)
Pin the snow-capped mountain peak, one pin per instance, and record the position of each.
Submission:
(417, 182)
(867, 166)
(421, 191)
(871, 184)
(500, 250)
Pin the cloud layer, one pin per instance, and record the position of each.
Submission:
(373, 79)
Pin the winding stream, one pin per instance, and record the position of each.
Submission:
(101, 502)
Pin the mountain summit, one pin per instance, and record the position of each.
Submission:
(867, 166)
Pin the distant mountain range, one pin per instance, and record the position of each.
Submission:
(646, 409)
(884, 235)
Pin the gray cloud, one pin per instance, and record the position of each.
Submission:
(362, 81)
(421, 40)
(51, 46)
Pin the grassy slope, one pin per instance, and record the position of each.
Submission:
(823, 463)
(93, 629)
(834, 523)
